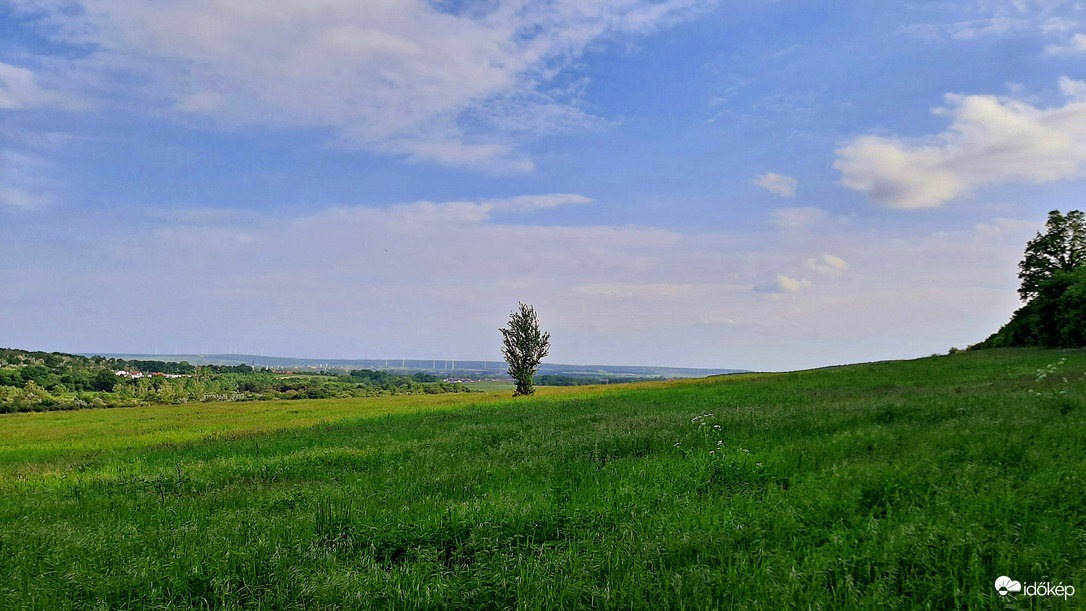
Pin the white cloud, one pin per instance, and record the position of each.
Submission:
(1058, 25)
(798, 218)
(1077, 44)
(462, 212)
(785, 186)
(538, 202)
(19, 89)
(974, 19)
(828, 265)
(783, 284)
(990, 141)
(965, 30)
(1074, 90)
(460, 85)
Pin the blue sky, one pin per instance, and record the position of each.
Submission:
(766, 185)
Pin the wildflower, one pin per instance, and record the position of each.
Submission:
(720, 443)
(716, 426)
(746, 450)
(712, 451)
(758, 464)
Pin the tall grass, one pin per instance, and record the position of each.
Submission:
(884, 486)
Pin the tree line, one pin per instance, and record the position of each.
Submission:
(38, 381)
(1053, 275)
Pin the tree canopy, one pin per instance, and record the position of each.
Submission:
(1062, 247)
(1053, 273)
(524, 346)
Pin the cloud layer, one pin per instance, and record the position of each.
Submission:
(457, 83)
(990, 141)
(426, 279)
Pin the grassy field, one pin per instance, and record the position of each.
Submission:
(491, 386)
(904, 485)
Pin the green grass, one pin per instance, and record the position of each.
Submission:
(899, 485)
(491, 386)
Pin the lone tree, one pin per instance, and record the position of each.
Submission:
(524, 346)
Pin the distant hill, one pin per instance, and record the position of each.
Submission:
(427, 365)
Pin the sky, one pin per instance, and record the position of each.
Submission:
(765, 184)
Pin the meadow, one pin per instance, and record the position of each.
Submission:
(897, 485)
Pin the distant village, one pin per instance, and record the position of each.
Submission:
(135, 375)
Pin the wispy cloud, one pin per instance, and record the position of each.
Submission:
(778, 184)
(827, 265)
(799, 218)
(454, 84)
(656, 290)
(1077, 44)
(19, 89)
(990, 141)
(989, 18)
(24, 179)
(1073, 90)
(999, 227)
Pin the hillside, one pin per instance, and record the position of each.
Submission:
(47, 381)
(895, 485)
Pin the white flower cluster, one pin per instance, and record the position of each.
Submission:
(1050, 370)
(702, 417)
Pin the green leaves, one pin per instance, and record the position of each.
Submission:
(524, 346)
(1061, 248)
(1053, 274)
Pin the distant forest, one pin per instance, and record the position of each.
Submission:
(39, 381)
